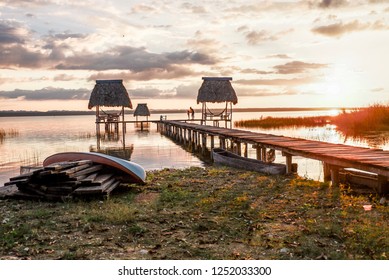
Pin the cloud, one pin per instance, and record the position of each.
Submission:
(282, 56)
(204, 44)
(194, 8)
(276, 82)
(67, 35)
(257, 37)
(25, 3)
(64, 77)
(332, 3)
(135, 59)
(181, 92)
(19, 56)
(168, 73)
(142, 9)
(255, 71)
(380, 89)
(11, 33)
(49, 93)
(338, 29)
(187, 91)
(297, 67)
(144, 93)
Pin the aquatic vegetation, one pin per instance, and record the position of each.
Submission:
(10, 133)
(373, 118)
(355, 123)
(271, 122)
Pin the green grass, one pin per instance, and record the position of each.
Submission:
(202, 213)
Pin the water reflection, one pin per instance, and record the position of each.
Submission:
(374, 139)
(124, 152)
(40, 137)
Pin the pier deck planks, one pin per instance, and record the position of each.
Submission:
(345, 156)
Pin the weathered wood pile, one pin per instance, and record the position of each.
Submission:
(66, 179)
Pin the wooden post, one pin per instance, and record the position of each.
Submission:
(263, 154)
(382, 184)
(326, 172)
(123, 124)
(335, 175)
(246, 150)
(289, 168)
(204, 144)
(239, 148)
(212, 142)
(195, 140)
(258, 150)
(222, 141)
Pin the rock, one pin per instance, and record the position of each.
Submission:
(383, 201)
(284, 250)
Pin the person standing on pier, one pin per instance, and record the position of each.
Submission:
(190, 113)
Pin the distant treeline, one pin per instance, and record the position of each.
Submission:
(22, 113)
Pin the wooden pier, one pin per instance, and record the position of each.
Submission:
(335, 157)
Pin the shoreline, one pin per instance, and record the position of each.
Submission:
(160, 111)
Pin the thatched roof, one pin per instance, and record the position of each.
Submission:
(110, 93)
(142, 110)
(216, 90)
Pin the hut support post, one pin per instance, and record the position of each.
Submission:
(212, 142)
(97, 122)
(123, 123)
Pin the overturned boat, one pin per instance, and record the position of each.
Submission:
(221, 156)
(131, 172)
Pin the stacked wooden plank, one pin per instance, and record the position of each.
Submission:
(66, 179)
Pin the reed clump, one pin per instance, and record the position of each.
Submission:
(357, 121)
(373, 118)
(271, 122)
(8, 133)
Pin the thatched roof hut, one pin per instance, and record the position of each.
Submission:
(217, 90)
(109, 93)
(142, 110)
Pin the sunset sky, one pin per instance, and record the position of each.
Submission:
(311, 53)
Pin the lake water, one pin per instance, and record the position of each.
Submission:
(39, 137)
